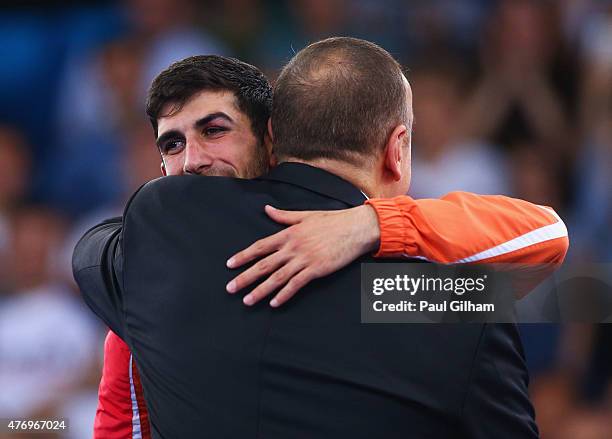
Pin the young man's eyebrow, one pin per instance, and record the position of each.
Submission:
(210, 117)
(173, 134)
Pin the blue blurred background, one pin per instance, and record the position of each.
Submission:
(511, 97)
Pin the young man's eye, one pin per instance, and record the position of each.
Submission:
(212, 131)
(172, 146)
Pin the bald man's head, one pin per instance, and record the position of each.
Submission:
(338, 98)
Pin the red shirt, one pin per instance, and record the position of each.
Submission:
(121, 412)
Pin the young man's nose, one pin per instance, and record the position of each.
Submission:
(196, 158)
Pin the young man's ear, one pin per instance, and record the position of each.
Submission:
(394, 152)
(269, 144)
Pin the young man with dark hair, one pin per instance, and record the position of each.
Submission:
(201, 127)
(214, 81)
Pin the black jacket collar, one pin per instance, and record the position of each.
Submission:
(316, 180)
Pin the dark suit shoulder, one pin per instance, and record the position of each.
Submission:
(210, 185)
(193, 190)
(91, 248)
(96, 266)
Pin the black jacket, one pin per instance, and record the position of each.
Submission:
(213, 368)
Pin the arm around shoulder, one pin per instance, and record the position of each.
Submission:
(463, 227)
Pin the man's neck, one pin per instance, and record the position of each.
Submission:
(360, 177)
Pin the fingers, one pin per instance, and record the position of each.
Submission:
(261, 268)
(272, 283)
(288, 217)
(272, 243)
(284, 258)
(258, 249)
(296, 283)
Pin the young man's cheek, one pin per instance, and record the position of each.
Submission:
(174, 164)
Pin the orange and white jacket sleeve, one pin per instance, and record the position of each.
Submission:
(463, 227)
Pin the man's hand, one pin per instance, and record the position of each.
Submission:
(316, 244)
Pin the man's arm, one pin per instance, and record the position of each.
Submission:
(462, 227)
(526, 240)
(96, 266)
(458, 228)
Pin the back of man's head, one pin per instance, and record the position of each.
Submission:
(338, 98)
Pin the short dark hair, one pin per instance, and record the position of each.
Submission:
(337, 98)
(184, 79)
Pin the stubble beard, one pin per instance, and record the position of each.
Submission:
(257, 166)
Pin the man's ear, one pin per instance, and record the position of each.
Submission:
(270, 134)
(269, 143)
(162, 167)
(269, 150)
(394, 153)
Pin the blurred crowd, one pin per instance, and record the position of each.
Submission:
(511, 97)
